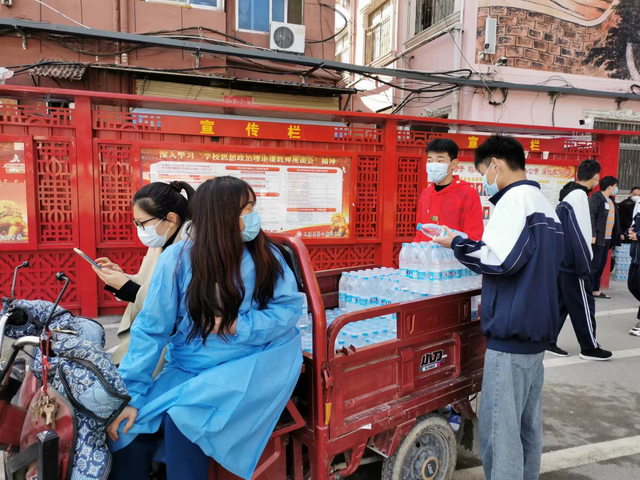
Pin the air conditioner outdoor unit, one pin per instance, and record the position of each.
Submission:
(286, 37)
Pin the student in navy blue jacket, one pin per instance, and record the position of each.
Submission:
(519, 257)
(634, 270)
(574, 286)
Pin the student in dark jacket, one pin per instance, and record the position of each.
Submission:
(625, 211)
(519, 255)
(633, 282)
(604, 224)
(574, 294)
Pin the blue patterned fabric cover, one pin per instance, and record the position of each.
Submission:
(82, 372)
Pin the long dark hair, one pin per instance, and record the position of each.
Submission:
(160, 199)
(216, 257)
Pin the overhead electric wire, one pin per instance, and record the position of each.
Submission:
(61, 14)
(307, 62)
(346, 24)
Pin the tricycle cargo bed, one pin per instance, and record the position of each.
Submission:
(438, 354)
(356, 399)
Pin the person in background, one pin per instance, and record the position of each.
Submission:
(519, 255)
(634, 269)
(574, 292)
(227, 303)
(160, 214)
(447, 200)
(604, 226)
(625, 210)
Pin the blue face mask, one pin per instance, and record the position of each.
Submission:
(251, 226)
(490, 189)
(615, 191)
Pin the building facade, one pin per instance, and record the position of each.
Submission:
(110, 66)
(586, 45)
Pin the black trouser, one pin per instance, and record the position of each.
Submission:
(576, 300)
(634, 282)
(600, 255)
(185, 460)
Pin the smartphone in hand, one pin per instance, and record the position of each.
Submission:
(86, 258)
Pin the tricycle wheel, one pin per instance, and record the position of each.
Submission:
(428, 452)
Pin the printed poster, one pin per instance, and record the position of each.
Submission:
(550, 177)
(13, 194)
(298, 194)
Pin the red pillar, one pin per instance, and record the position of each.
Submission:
(87, 279)
(608, 158)
(390, 179)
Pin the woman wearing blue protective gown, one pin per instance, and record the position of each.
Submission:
(228, 375)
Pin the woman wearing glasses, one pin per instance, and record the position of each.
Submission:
(160, 212)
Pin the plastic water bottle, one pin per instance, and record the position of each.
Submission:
(403, 260)
(342, 289)
(456, 274)
(434, 231)
(431, 230)
(423, 266)
(352, 298)
(374, 290)
(435, 271)
(364, 289)
(413, 267)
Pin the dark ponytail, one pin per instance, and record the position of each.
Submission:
(160, 199)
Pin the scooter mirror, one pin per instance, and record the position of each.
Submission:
(62, 277)
(24, 264)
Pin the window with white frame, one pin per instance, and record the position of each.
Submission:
(342, 49)
(430, 12)
(213, 4)
(378, 34)
(256, 15)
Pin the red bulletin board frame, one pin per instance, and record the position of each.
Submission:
(387, 173)
(32, 216)
(350, 240)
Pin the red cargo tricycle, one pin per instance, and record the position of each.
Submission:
(379, 402)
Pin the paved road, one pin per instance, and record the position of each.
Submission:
(591, 410)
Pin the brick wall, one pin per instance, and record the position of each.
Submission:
(541, 42)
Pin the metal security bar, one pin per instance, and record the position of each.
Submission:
(430, 12)
(378, 40)
(629, 160)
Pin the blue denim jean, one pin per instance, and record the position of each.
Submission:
(511, 416)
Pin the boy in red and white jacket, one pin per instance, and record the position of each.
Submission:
(447, 200)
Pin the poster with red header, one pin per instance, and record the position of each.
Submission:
(306, 195)
(14, 218)
(550, 177)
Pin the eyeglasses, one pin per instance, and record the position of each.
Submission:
(142, 224)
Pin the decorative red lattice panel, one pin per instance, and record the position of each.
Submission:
(367, 190)
(411, 138)
(137, 122)
(55, 167)
(371, 136)
(408, 195)
(35, 116)
(116, 190)
(328, 258)
(129, 261)
(38, 282)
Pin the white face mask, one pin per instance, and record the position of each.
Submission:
(636, 198)
(150, 238)
(437, 172)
